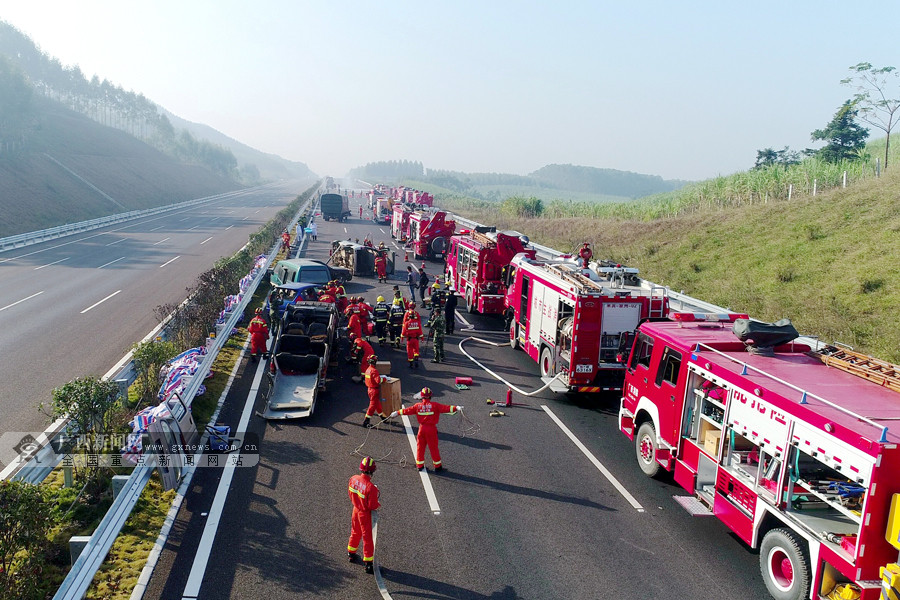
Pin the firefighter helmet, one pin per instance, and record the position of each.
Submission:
(372, 359)
(367, 465)
(379, 299)
(259, 311)
(353, 336)
(436, 285)
(425, 393)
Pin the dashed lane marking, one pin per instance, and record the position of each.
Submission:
(206, 240)
(21, 301)
(96, 304)
(169, 261)
(625, 494)
(111, 262)
(55, 262)
(423, 474)
(162, 240)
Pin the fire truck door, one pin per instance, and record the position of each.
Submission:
(523, 303)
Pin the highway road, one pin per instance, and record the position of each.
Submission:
(74, 306)
(546, 501)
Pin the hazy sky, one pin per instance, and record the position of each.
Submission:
(685, 90)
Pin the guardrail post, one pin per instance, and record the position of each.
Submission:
(77, 543)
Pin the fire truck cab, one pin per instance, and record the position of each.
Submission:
(429, 233)
(476, 262)
(576, 321)
(400, 222)
(789, 447)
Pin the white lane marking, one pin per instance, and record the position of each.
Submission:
(637, 505)
(184, 219)
(111, 262)
(257, 211)
(245, 218)
(345, 230)
(160, 227)
(162, 240)
(96, 304)
(381, 230)
(379, 580)
(396, 245)
(423, 474)
(117, 241)
(206, 240)
(22, 300)
(169, 261)
(215, 218)
(193, 228)
(229, 227)
(464, 322)
(201, 559)
(53, 263)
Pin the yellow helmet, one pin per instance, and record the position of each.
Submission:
(379, 299)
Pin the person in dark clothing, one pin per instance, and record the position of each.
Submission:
(450, 311)
(423, 285)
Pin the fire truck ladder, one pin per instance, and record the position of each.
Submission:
(483, 239)
(881, 372)
(575, 278)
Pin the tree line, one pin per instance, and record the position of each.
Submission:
(101, 101)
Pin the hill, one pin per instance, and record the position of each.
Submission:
(552, 182)
(66, 168)
(828, 262)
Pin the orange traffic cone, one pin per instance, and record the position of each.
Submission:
(406, 256)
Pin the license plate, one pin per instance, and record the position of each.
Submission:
(584, 368)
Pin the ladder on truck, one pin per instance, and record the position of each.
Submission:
(879, 371)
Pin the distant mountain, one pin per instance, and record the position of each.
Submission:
(270, 166)
(603, 181)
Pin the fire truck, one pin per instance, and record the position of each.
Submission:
(429, 233)
(787, 445)
(576, 321)
(400, 221)
(475, 265)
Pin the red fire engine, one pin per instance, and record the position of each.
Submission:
(475, 264)
(400, 222)
(576, 321)
(429, 233)
(789, 447)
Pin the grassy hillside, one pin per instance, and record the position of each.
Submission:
(38, 193)
(831, 263)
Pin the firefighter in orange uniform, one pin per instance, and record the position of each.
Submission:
(412, 331)
(586, 253)
(428, 413)
(365, 315)
(373, 388)
(381, 267)
(259, 333)
(364, 498)
(360, 351)
(354, 326)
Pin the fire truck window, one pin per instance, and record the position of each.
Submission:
(741, 456)
(669, 366)
(643, 351)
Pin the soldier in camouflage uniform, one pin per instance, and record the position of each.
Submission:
(437, 325)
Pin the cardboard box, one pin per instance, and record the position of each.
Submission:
(384, 367)
(711, 441)
(390, 395)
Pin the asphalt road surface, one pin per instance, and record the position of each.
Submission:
(74, 306)
(520, 511)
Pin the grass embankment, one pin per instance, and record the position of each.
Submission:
(831, 263)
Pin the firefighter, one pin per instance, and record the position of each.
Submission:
(395, 321)
(365, 316)
(364, 498)
(259, 333)
(412, 331)
(437, 334)
(450, 311)
(381, 313)
(427, 413)
(360, 351)
(437, 297)
(397, 294)
(381, 267)
(373, 381)
(341, 295)
(585, 253)
(275, 302)
(354, 326)
(327, 295)
(285, 240)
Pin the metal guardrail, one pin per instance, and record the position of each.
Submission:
(26, 239)
(79, 578)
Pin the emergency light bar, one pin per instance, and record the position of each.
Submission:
(687, 317)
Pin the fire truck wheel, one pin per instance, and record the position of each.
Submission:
(547, 363)
(514, 335)
(784, 564)
(645, 448)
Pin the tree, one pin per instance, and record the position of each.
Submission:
(24, 523)
(768, 157)
(149, 357)
(846, 138)
(878, 98)
(91, 405)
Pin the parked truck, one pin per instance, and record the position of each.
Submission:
(476, 262)
(789, 446)
(576, 321)
(334, 207)
(429, 233)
